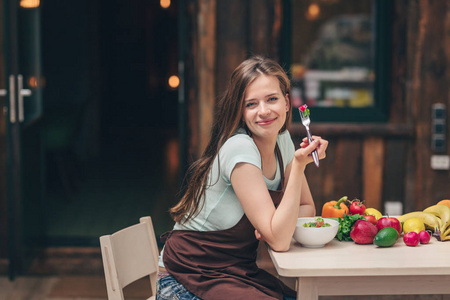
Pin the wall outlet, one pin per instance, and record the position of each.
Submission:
(440, 162)
(438, 132)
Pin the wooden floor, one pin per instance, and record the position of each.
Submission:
(32, 288)
(66, 288)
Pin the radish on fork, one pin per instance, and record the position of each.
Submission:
(306, 121)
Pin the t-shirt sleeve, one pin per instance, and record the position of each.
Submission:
(238, 149)
(287, 147)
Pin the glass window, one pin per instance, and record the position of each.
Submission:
(337, 57)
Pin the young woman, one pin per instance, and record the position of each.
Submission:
(249, 185)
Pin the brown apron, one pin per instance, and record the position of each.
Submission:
(222, 264)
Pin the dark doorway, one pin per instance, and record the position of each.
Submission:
(111, 116)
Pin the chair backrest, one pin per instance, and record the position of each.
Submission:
(128, 255)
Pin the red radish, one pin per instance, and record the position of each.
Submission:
(424, 237)
(303, 107)
(411, 238)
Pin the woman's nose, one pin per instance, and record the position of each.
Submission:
(264, 110)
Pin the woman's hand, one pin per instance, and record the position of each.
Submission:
(303, 155)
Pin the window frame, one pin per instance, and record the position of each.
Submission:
(378, 113)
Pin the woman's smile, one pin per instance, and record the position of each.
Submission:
(266, 122)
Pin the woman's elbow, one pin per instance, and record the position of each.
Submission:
(280, 247)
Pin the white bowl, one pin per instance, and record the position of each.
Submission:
(315, 237)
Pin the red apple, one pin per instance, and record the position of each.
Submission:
(389, 222)
(411, 238)
(371, 219)
(363, 232)
(424, 237)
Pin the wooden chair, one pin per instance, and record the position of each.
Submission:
(128, 255)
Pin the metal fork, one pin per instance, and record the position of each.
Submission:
(306, 121)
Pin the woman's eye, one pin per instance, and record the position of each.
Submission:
(273, 98)
(249, 104)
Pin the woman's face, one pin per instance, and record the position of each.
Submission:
(265, 106)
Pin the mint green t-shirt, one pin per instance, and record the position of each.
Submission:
(222, 209)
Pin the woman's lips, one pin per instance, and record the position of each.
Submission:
(266, 122)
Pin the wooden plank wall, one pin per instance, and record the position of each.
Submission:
(206, 74)
(224, 33)
(358, 163)
(428, 78)
(372, 162)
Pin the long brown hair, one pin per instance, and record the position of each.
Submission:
(227, 119)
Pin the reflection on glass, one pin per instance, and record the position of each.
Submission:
(29, 3)
(36, 82)
(164, 3)
(174, 81)
(333, 53)
(313, 12)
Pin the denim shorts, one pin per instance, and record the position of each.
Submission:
(168, 288)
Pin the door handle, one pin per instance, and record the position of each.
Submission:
(22, 93)
(12, 102)
(2, 94)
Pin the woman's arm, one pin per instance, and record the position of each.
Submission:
(276, 226)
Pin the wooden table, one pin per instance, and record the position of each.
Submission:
(346, 268)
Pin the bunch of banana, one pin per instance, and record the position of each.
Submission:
(436, 218)
(442, 212)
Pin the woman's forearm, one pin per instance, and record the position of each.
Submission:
(285, 217)
(307, 206)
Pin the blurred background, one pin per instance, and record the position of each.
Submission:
(105, 104)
